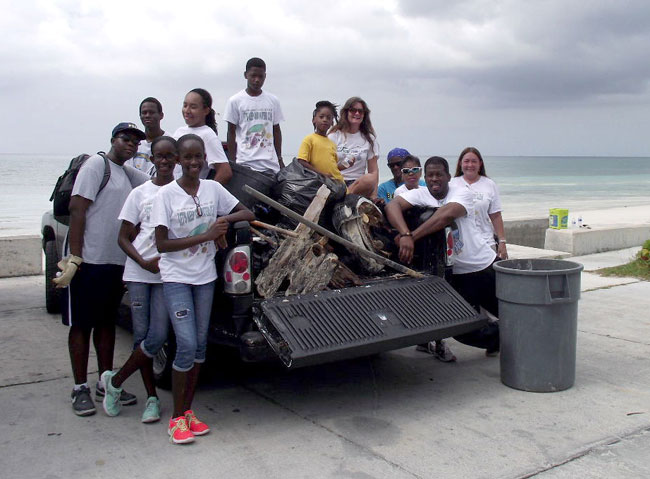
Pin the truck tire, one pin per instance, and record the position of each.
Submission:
(52, 294)
(162, 364)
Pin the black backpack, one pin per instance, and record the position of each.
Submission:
(63, 189)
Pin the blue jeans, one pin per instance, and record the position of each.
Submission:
(189, 308)
(149, 316)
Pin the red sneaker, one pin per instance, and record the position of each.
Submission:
(198, 428)
(178, 431)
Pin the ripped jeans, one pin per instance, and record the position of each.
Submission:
(189, 308)
(148, 316)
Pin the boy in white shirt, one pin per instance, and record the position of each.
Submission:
(254, 116)
(151, 113)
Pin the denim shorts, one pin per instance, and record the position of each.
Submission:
(149, 316)
(189, 308)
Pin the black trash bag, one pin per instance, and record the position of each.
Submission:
(262, 181)
(296, 187)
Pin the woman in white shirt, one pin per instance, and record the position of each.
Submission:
(191, 215)
(470, 174)
(357, 148)
(200, 119)
(142, 277)
(411, 170)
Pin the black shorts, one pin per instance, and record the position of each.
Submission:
(94, 296)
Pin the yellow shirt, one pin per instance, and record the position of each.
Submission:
(320, 152)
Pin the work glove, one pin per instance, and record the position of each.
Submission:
(68, 267)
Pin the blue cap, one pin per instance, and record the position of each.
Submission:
(127, 126)
(399, 152)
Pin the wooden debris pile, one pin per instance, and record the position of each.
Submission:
(305, 260)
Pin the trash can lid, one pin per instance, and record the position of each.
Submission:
(537, 266)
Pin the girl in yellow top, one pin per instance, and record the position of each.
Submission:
(317, 152)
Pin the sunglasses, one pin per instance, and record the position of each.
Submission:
(411, 171)
(394, 165)
(129, 139)
(199, 211)
(361, 111)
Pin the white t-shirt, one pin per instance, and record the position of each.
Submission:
(486, 202)
(137, 210)
(254, 118)
(102, 226)
(471, 252)
(176, 210)
(142, 159)
(213, 148)
(356, 145)
(400, 190)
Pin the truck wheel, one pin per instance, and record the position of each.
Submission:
(162, 364)
(52, 294)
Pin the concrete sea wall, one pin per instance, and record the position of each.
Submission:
(20, 256)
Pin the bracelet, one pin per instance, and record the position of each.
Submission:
(502, 241)
(76, 260)
(408, 233)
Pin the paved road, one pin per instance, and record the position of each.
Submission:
(395, 415)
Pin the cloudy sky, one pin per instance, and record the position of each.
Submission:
(511, 77)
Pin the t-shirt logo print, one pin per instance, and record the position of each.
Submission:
(458, 243)
(257, 136)
(193, 250)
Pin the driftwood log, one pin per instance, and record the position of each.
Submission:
(292, 252)
(277, 229)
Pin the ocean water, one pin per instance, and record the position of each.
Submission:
(529, 186)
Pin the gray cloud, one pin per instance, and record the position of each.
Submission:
(433, 72)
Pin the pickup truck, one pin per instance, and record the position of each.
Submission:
(382, 311)
(53, 233)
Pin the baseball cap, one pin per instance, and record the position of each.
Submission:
(399, 152)
(127, 126)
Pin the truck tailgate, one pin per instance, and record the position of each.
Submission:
(351, 322)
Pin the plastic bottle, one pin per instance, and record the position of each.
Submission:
(347, 160)
(580, 221)
(574, 222)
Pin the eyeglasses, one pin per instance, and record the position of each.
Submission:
(168, 157)
(360, 111)
(411, 171)
(199, 211)
(129, 139)
(394, 165)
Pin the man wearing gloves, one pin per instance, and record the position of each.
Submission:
(92, 272)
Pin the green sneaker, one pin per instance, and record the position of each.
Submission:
(151, 410)
(111, 400)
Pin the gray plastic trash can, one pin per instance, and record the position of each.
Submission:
(538, 315)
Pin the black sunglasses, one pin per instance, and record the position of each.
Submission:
(129, 139)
